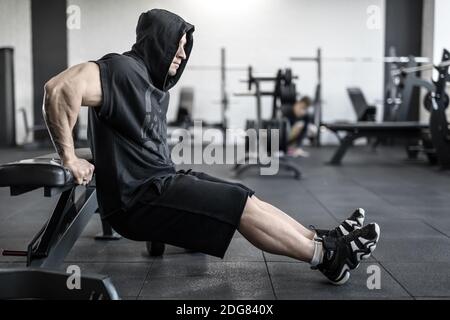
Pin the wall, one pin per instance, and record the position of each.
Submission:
(441, 27)
(15, 31)
(48, 21)
(263, 33)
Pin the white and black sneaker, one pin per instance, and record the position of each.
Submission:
(355, 221)
(345, 253)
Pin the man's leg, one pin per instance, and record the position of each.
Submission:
(353, 222)
(334, 257)
(294, 223)
(295, 132)
(264, 206)
(303, 131)
(274, 233)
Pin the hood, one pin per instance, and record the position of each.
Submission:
(158, 33)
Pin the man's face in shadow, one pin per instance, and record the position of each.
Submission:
(179, 57)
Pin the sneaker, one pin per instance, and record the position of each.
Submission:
(296, 152)
(345, 253)
(355, 221)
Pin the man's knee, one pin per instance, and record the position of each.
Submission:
(250, 207)
(261, 204)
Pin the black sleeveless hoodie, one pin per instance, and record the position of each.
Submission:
(128, 132)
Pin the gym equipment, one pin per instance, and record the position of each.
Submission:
(49, 247)
(318, 60)
(33, 283)
(31, 129)
(155, 249)
(394, 86)
(52, 243)
(428, 101)
(393, 99)
(7, 108)
(357, 130)
(439, 125)
(364, 111)
(185, 109)
(399, 126)
(317, 103)
(400, 91)
(284, 92)
(43, 143)
(406, 84)
(224, 97)
(414, 69)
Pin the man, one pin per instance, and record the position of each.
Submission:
(300, 122)
(139, 191)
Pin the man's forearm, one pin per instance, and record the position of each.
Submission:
(60, 114)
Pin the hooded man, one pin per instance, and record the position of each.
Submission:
(139, 191)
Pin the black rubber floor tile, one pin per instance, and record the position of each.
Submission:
(298, 281)
(208, 280)
(123, 250)
(409, 250)
(127, 278)
(240, 250)
(427, 279)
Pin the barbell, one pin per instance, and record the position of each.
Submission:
(386, 59)
(421, 68)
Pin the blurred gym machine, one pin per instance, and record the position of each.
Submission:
(437, 144)
(436, 101)
(284, 94)
(185, 113)
(318, 59)
(363, 111)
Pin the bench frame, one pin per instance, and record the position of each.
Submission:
(369, 130)
(49, 247)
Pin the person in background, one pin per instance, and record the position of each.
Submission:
(301, 125)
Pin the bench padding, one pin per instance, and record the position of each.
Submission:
(42, 171)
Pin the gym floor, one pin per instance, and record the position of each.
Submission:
(409, 200)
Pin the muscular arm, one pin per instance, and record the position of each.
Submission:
(63, 97)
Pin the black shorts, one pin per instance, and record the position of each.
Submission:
(189, 209)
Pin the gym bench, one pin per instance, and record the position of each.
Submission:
(41, 278)
(407, 130)
(399, 126)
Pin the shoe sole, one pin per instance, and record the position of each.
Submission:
(343, 279)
